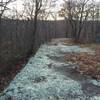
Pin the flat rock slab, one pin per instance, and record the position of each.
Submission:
(44, 78)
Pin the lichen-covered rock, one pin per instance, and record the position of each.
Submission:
(40, 81)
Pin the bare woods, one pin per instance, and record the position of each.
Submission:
(16, 35)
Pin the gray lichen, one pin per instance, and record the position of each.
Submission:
(37, 81)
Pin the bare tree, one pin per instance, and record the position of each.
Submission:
(38, 10)
(97, 16)
(32, 9)
(77, 12)
(3, 6)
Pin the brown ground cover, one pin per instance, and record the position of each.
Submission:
(87, 64)
(7, 76)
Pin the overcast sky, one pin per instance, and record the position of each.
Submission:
(19, 3)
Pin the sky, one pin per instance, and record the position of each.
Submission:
(18, 4)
